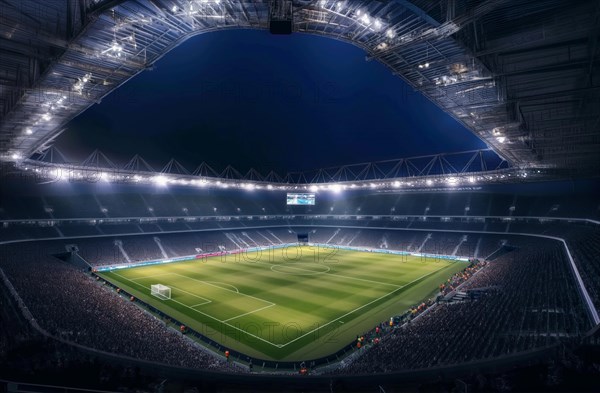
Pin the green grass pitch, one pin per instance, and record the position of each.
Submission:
(291, 304)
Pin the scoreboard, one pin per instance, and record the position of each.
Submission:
(295, 199)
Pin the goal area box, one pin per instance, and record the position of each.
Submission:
(160, 291)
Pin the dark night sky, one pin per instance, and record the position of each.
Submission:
(251, 99)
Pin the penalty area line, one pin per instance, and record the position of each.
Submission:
(225, 289)
(250, 312)
(216, 319)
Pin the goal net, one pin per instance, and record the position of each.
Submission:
(160, 291)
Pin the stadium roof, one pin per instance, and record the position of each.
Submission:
(521, 75)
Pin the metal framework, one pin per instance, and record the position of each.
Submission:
(463, 169)
(521, 75)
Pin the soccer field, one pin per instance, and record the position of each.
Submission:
(293, 303)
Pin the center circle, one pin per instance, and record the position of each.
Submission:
(300, 269)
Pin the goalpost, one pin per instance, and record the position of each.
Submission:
(162, 292)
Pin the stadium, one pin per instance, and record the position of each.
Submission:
(296, 195)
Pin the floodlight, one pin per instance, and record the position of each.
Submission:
(160, 180)
(501, 139)
(314, 188)
(429, 182)
(335, 188)
(28, 131)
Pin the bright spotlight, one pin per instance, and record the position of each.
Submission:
(335, 188)
(160, 180)
(28, 131)
(501, 139)
(314, 188)
(429, 182)
(16, 156)
(396, 184)
(452, 180)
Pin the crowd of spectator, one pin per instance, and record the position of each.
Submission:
(527, 299)
(461, 277)
(72, 305)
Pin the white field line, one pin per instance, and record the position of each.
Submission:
(216, 319)
(250, 312)
(225, 289)
(273, 304)
(206, 301)
(332, 274)
(200, 304)
(364, 305)
(224, 283)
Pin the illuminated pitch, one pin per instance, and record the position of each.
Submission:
(293, 303)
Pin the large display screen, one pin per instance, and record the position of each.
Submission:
(300, 199)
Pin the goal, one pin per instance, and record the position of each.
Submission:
(160, 291)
